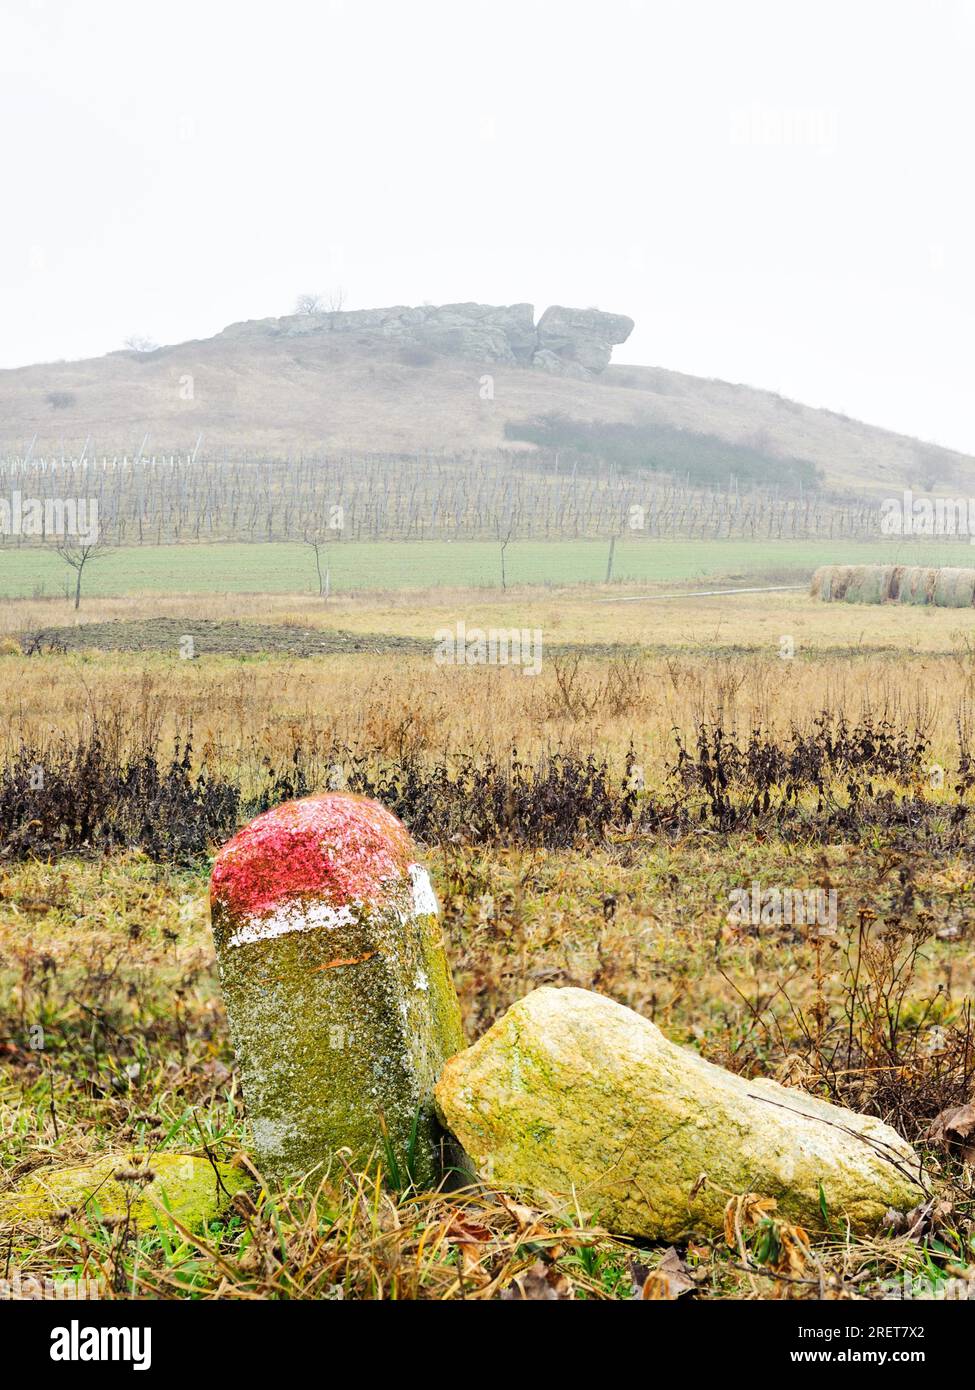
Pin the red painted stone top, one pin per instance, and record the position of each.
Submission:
(336, 846)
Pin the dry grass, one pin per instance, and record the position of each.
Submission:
(113, 956)
(743, 622)
(243, 710)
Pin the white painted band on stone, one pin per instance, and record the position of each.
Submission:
(424, 898)
(295, 916)
(292, 917)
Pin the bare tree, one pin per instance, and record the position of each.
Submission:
(329, 303)
(319, 544)
(310, 304)
(504, 547)
(137, 342)
(392, 497)
(77, 554)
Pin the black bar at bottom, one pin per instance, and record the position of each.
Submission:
(76, 1340)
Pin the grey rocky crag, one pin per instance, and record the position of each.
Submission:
(567, 342)
(581, 338)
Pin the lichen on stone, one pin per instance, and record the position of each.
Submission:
(138, 1186)
(572, 1095)
(341, 1004)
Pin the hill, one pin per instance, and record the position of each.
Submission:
(455, 379)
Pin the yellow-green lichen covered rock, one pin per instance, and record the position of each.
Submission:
(134, 1185)
(575, 1097)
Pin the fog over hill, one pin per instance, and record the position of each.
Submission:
(455, 378)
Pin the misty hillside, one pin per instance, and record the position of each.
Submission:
(459, 378)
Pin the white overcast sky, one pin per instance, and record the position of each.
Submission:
(779, 192)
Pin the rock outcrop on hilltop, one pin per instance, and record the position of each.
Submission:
(568, 342)
(581, 337)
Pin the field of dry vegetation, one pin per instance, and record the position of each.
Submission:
(584, 826)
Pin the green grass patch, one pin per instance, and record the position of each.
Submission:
(288, 567)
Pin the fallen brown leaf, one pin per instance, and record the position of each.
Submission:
(539, 1283)
(919, 1222)
(794, 1250)
(462, 1230)
(667, 1281)
(743, 1212)
(955, 1128)
(525, 1218)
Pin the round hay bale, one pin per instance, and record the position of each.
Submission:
(944, 588)
(868, 584)
(922, 587)
(964, 588)
(912, 583)
(820, 582)
(839, 578)
(887, 573)
(896, 580)
(854, 584)
(954, 588)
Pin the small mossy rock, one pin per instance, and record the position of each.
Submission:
(340, 1000)
(183, 1184)
(572, 1096)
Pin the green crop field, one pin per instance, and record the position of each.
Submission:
(286, 567)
